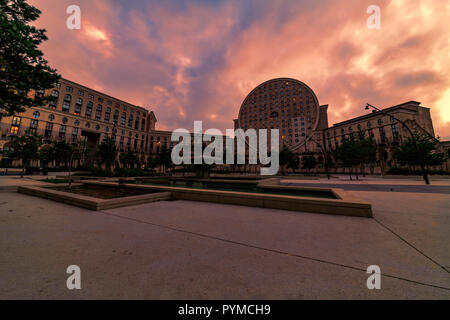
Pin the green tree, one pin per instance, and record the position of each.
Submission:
(46, 156)
(128, 159)
(22, 65)
(309, 162)
(107, 152)
(345, 154)
(406, 154)
(62, 150)
(365, 150)
(152, 163)
(165, 158)
(287, 159)
(25, 148)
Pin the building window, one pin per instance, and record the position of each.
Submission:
(369, 124)
(62, 131)
(382, 135)
(89, 107)
(14, 130)
(90, 96)
(97, 127)
(66, 103)
(76, 122)
(100, 99)
(143, 124)
(78, 106)
(123, 119)
(98, 112)
(136, 123)
(58, 85)
(395, 132)
(16, 121)
(36, 115)
(52, 104)
(69, 89)
(48, 130)
(107, 114)
(51, 117)
(130, 121)
(34, 124)
(380, 122)
(80, 93)
(88, 125)
(64, 120)
(74, 134)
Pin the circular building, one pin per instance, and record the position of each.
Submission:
(285, 104)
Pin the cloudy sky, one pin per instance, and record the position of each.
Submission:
(198, 59)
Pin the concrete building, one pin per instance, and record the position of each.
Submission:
(81, 113)
(292, 107)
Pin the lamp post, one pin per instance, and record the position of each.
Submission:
(419, 154)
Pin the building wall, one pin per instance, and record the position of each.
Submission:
(320, 138)
(81, 113)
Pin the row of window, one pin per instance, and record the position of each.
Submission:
(81, 93)
(359, 126)
(98, 111)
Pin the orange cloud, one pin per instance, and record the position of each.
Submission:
(196, 60)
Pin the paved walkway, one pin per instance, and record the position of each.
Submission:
(194, 250)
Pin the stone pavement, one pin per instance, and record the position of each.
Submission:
(194, 250)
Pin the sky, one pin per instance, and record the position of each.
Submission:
(198, 59)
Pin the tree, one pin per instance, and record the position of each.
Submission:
(365, 150)
(107, 152)
(287, 159)
(406, 154)
(308, 162)
(46, 156)
(62, 151)
(25, 148)
(22, 65)
(345, 154)
(152, 163)
(128, 159)
(165, 158)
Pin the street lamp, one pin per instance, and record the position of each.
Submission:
(419, 154)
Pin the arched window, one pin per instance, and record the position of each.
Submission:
(130, 121)
(78, 105)
(36, 114)
(98, 112)
(66, 103)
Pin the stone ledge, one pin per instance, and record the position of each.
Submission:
(92, 203)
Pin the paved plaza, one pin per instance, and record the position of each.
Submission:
(195, 250)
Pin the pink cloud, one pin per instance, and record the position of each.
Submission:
(196, 60)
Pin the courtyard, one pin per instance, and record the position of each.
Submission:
(196, 250)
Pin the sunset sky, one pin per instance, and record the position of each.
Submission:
(197, 60)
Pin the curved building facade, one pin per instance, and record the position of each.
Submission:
(285, 104)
